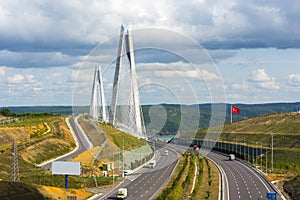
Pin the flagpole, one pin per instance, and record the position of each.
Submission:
(231, 114)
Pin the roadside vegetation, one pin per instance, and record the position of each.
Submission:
(16, 191)
(181, 186)
(292, 187)
(39, 137)
(256, 132)
(119, 137)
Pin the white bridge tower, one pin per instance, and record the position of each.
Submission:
(98, 98)
(125, 110)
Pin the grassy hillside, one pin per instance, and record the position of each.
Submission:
(39, 137)
(284, 126)
(292, 187)
(16, 191)
(117, 136)
(257, 131)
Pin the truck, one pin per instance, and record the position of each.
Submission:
(152, 163)
(166, 152)
(271, 195)
(196, 148)
(127, 172)
(231, 156)
(122, 193)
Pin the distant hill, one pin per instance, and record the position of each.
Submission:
(279, 123)
(175, 112)
(284, 126)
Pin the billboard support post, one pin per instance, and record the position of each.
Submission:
(66, 181)
(66, 169)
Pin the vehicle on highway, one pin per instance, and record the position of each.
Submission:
(166, 152)
(196, 147)
(271, 195)
(127, 172)
(122, 193)
(152, 163)
(231, 157)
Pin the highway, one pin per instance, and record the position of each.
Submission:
(147, 182)
(82, 144)
(244, 182)
(240, 180)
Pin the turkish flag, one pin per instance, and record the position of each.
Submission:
(235, 110)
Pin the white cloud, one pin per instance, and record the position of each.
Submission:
(194, 74)
(294, 80)
(259, 75)
(270, 85)
(79, 23)
(240, 86)
(30, 78)
(16, 79)
(263, 80)
(2, 70)
(38, 88)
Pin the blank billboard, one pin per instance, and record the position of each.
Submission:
(66, 168)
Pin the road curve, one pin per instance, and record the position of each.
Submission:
(244, 181)
(146, 182)
(82, 142)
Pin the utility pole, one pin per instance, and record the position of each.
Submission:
(231, 114)
(113, 177)
(240, 151)
(256, 153)
(248, 154)
(261, 157)
(123, 159)
(15, 166)
(235, 146)
(266, 160)
(272, 154)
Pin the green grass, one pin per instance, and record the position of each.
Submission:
(75, 182)
(292, 187)
(199, 178)
(130, 142)
(16, 191)
(280, 140)
(257, 131)
(30, 120)
(175, 188)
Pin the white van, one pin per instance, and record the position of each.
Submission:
(152, 163)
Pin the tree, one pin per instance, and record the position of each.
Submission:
(5, 112)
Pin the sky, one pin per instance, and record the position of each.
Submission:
(247, 51)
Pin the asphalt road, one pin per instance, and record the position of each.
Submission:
(147, 182)
(83, 145)
(244, 181)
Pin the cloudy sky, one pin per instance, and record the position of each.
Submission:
(48, 46)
